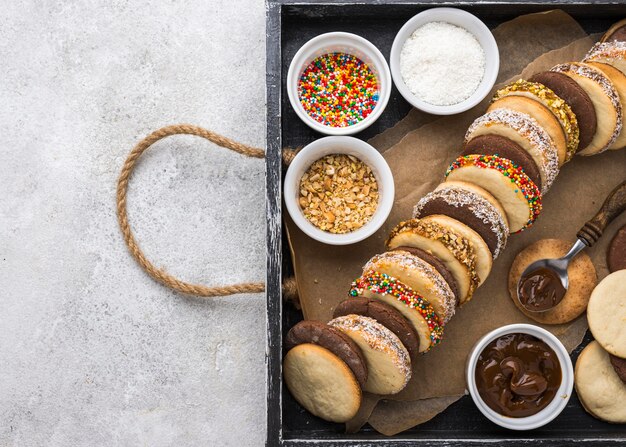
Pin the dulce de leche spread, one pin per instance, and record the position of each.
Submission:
(540, 290)
(517, 375)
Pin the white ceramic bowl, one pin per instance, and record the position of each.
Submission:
(462, 19)
(338, 42)
(561, 398)
(339, 145)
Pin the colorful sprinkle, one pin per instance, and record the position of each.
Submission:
(338, 90)
(509, 169)
(384, 284)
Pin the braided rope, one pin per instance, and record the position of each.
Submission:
(122, 216)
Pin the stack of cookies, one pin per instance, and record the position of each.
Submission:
(368, 346)
(435, 261)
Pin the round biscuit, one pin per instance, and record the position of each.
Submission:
(322, 383)
(600, 390)
(582, 280)
(606, 313)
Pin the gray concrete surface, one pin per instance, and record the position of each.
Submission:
(92, 351)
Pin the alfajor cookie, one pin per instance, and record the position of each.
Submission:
(484, 260)
(454, 250)
(578, 100)
(437, 264)
(318, 333)
(507, 182)
(598, 386)
(606, 313)
(610, 53)
(617, 32)
(606, 103)
(582, 279)
(417, 310)
(540, 113)
(420, 276)
(388, 361)
(557, 105)
(502, 147)
(471, 205)
(524, 130)
(385, 315)
(322, 383)
(619, 82)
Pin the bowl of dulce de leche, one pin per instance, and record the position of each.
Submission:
(520, 376)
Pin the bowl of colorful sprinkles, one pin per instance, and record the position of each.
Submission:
(339, 190)
(338, 83)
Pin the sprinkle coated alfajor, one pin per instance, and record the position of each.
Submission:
(384, 284)
(509, 169)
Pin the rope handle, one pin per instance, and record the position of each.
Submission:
(161, 275)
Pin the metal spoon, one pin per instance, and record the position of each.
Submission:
(588, 235)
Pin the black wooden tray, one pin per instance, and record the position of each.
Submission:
(290, 23)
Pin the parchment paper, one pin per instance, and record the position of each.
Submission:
(418, 150)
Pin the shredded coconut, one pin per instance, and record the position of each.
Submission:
(442, 64)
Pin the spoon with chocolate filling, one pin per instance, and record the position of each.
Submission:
(543, 283)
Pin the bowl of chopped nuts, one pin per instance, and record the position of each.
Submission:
(339, 190)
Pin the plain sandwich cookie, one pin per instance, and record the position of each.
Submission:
(617, 32)
(318, 333)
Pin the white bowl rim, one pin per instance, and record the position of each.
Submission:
(374, 159)
(558, 403)
(485, 86)
(381, 66)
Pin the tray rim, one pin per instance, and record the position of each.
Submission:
(273, 183)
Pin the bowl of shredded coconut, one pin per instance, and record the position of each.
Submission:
(444, 61)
